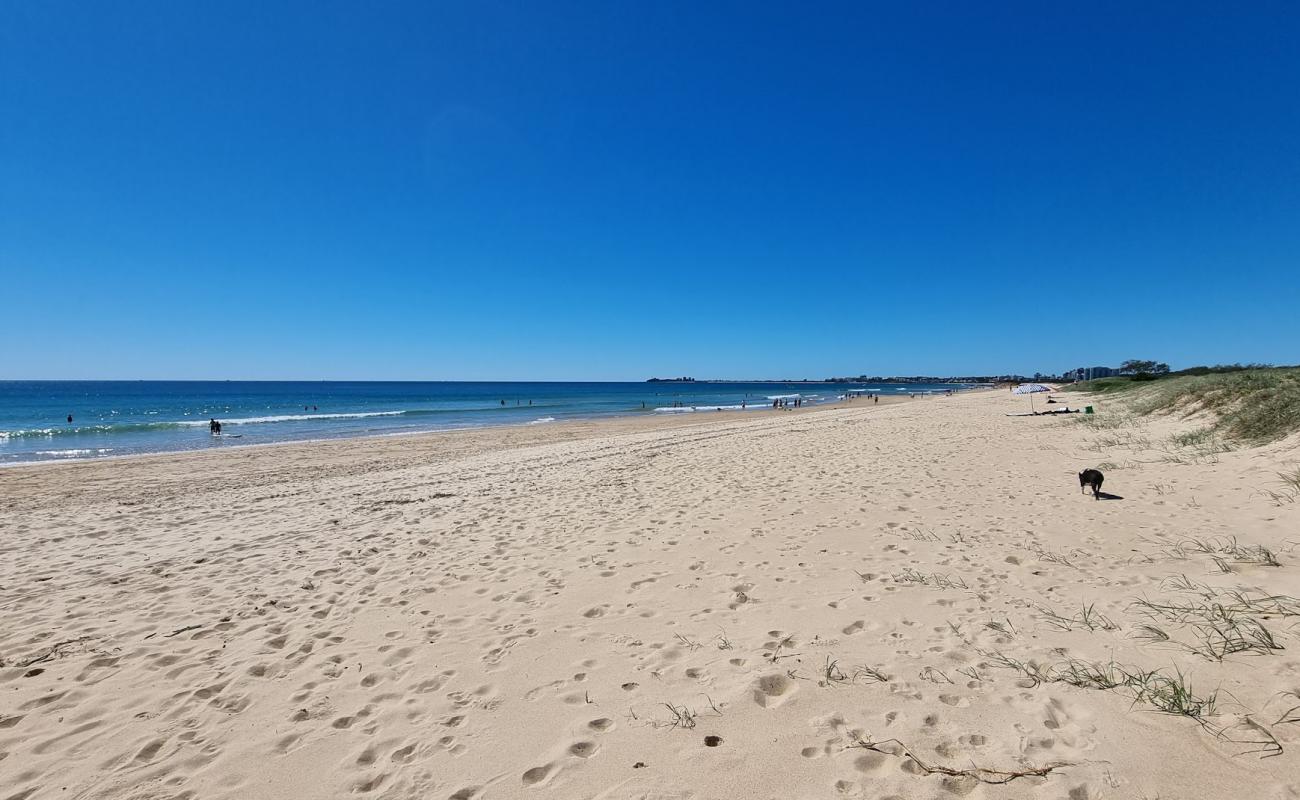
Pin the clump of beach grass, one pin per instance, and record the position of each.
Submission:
(1220, 623)
(1127, 439)
(1087, 617)
(1198, 446)
(1169, 694)
(832, 674)
(872, 675)
(1223, 548)
(1291, 480)
(687, 642)
(937, 580)
(1229, 546)
(1288, 488)
(680, 716)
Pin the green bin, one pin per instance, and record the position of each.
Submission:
(1087, 409)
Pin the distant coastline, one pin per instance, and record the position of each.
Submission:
(905, 379)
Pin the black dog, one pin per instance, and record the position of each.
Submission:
(1093, 478)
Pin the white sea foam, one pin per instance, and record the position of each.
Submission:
(74, 453)
(542, 420)
(782, 396)
(5, 435)
(293, 418)
(689, 409)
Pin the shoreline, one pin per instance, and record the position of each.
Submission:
(135, 418)
(648, 419)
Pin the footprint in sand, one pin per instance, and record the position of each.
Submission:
(538, 775)
(403, 755)
(583, 749)
(773, 690)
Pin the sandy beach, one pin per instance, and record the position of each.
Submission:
(910, 600)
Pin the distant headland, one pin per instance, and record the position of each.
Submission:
(671, 380)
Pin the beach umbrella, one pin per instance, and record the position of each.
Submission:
(1031, 389)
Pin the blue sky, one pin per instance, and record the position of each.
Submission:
(612, 190)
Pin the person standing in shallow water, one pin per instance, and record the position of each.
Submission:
(214, 427)
(69, 419)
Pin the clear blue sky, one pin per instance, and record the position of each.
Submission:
(612, 190)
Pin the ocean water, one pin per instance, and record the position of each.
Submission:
(117, 418)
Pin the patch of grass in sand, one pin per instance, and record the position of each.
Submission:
(1291, 480)
(1221, 623)
(688, 643)
(1127, 439)
(1222, 549)
(872, 675)
(1149, 634)
(1004, 627)
(935, 579)
(917, 535)
(1169, 694)
(1087, 617)
(1292, 715)
(1193, 438)
(1252, 404)
(1229, 546)
(832, 675)
(1288, 488)
(680, 716)
(1218, 639)
(1106, 420)
(1043, 554)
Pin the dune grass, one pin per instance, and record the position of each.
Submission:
(1252, 406)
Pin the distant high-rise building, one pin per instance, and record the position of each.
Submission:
(1090, 373)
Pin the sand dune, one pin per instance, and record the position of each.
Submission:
(782, 605)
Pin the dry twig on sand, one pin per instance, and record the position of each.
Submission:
(981, 774)
(53, 652)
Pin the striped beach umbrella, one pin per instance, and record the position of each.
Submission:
(1031, 389)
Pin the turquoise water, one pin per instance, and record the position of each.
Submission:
(115, 418)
